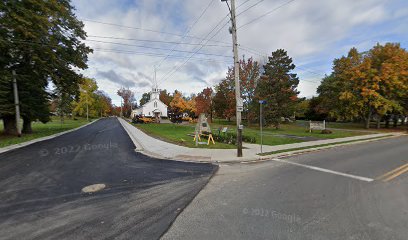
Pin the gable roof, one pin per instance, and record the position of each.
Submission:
(151, 100)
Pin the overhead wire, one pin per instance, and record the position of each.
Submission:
(265, 14)
(186, 33)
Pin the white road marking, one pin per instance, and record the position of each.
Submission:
(325, 170)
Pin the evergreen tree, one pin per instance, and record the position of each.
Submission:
(278, 86)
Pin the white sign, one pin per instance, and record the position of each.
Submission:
(317, 125)
(240, 105)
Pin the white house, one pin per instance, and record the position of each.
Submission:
(153, 108)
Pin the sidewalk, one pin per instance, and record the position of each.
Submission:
(159, 149)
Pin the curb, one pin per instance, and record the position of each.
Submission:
(246, 160)
(139, 146)
(316, 149)
(23, 144)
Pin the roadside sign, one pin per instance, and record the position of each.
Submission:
(262, 101)
(240, 105)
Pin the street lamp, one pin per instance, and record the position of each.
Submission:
(238, 99)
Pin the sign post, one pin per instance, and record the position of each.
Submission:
(261, 102)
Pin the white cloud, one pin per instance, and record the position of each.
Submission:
(313, 33)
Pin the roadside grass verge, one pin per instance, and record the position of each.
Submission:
(289, 133)
(321, 145)
(41, 130)
(178, 134)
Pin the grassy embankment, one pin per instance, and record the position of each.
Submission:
(41, 130)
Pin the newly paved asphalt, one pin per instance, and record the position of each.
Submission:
(40, 188)
(331, 194)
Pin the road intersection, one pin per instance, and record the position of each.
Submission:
(346, 192)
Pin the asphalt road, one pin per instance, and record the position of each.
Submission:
(40, 187)
(330, 194)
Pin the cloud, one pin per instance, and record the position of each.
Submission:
(313, 33)
(141, 80)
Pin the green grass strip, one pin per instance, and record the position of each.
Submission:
(316, 146)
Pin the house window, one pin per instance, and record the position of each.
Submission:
(155, 104)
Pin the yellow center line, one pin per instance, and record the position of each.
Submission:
(394, 173)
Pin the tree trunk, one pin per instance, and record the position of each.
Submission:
(395, 120)
(10, 127)
(378, 123)
(27, 125)
(368, 119)
(387, 122)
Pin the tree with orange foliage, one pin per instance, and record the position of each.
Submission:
(203, 102)
(177, 106)
(380, 82)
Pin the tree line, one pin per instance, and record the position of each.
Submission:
(364, 86)
(275, 82)
(41, 42)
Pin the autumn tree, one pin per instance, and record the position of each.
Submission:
(128, 98)
(177, 106)
(103, 103)
(367, 85)
(191, 106)
(165, 97)
(278, 86)
(204, 103)
(86, 99)
(224, 99)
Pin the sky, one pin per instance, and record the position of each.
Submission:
(188, 45)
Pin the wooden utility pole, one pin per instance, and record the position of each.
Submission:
(238, 99)
(16, 103)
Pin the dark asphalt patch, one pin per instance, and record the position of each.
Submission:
(41, 194)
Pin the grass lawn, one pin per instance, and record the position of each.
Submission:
(178, 133)
(41, 130)
(317, 146)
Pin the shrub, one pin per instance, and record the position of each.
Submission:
(326, 131)
(231, 138)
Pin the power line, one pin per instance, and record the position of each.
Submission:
(156, 48)
(120, 51)
(148, 30)
(186, 33)
(176, 68)
(265, 14)
(250, 7)
(156, 41)
(171, 72)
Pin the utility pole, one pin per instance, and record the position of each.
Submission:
(261, 102)
(121, 111)
(238, 99)
(87, 108)
(16, 103)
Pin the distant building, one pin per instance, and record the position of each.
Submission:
(153, 108)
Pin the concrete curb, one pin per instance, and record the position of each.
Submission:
(315, 149)
(23, 144)
(139, 145)
(252, 159)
